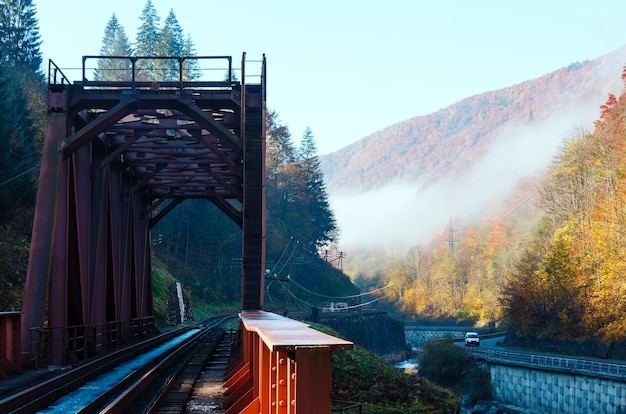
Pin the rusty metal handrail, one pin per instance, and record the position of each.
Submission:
(83, 340)
(54, 72)
(134, 83)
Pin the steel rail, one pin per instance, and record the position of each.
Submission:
(210, 360)
(140, 381)
(47, 392)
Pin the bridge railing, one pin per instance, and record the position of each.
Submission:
(606, 369)
(80, 342)
(284, 366)
(145, 72)
(55, 75)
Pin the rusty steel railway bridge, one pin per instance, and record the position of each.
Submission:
(120, 155)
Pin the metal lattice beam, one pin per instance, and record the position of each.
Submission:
(113, 153)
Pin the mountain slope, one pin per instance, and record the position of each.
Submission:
(448, 141)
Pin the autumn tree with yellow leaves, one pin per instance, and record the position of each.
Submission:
(555, 268)
(570, 283)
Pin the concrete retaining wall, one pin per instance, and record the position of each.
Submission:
(556, 392)
(417, 337)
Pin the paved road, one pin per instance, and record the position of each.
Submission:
(490, 351)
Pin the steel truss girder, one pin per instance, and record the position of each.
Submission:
(110, 159)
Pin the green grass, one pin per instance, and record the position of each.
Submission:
(360, 376)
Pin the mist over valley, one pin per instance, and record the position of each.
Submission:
(401, 186)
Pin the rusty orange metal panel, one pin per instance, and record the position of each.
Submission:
(265, 378)
(242, 393)
(252, 408)
(289, 363)
(235, 366)
(282, 379)
(313, 382)
(248, 403)
(240, 373)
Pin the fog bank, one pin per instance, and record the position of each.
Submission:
(401, 215)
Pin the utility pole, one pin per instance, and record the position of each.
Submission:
(341, 256)
(451, 235)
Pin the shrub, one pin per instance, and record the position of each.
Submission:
(448, 365)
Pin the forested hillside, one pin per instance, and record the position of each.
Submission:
(553, 265)
(570, 281)
(449, 141)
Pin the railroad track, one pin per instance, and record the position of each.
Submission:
(137, 378)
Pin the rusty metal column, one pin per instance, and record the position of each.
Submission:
(40, 255)
(58, 272)
(99, 254)
(253, 130)
(141, 257)
(120, 242)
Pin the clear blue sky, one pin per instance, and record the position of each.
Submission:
(348, 68)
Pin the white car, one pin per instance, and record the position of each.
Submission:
(472, 339)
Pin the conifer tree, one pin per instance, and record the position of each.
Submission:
(148, 43)
(191, 68)
(19, 35)
(171, 43)
(148, 35)
(114, 43)
(322, 224)
(22, 110)
(280, 168)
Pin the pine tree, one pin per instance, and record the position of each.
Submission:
(280, 150)
(297, 202)
(22, 111)
(19, 36)
(322, 224)
(171, 43)
(114, 43)
(280, 167)
(191, 67)
(148, 43)
(148, 35)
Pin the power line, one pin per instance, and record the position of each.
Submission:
(282, 254)
(340, 297)
(2, 184)
(347, 307)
